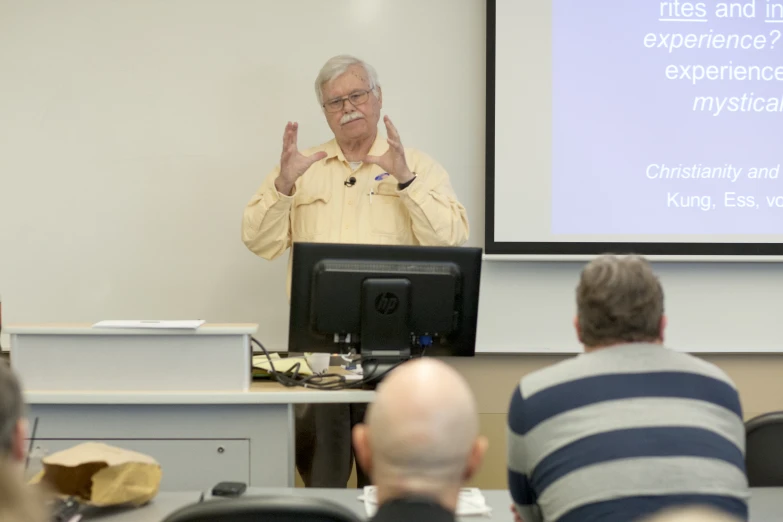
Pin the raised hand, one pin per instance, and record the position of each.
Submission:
(293, 164)
(393, 160)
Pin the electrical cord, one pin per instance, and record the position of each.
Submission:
(326, 381)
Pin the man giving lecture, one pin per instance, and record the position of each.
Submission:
(355, 188)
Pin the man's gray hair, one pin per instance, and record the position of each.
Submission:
(619, 300)
(11, 407)
(337, 66)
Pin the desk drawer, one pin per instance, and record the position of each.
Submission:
(187, 464)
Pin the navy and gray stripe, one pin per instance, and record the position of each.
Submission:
(639, 358)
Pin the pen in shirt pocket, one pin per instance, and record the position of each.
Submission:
(379, 177)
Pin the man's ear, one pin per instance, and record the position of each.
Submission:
(576, 327)
(361, 447)
(380, 96)
(662, 328)
(19, 443)
(476, 458)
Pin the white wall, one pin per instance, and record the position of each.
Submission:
(133, 134)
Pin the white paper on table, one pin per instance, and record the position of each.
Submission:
(470, 503)
(282, 365)
(153, 325)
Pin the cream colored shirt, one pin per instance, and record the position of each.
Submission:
(373, 210)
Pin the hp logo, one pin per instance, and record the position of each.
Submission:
(386, 303)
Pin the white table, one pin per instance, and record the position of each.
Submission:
(160, 507)
(80, 357)
(200, 438)
(182, 396)
(766, 504)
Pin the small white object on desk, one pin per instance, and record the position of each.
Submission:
(353, 374)
(318, 362)
(164, 325)
(470, 503)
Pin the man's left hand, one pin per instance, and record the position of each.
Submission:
(393, 161)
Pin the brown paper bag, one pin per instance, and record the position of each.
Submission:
(102, 475)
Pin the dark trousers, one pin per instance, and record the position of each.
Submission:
(324, 451)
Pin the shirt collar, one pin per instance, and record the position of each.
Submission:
(413, 508)
(333, 150)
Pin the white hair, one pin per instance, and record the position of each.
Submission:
(337, 66)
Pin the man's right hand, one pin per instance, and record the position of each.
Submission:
(517, 517)
(293, 164)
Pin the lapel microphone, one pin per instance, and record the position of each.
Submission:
(350, 182)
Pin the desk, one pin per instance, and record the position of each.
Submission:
(79, 357)
(161, 507)
(766, 504)
(200, 438)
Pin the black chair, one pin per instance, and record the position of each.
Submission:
(264, 509)
(764, 450)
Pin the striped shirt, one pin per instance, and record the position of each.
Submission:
(621, 432)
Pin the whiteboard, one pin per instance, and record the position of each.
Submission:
(134, 133)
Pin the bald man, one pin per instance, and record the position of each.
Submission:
(420, 442)
(693, 514)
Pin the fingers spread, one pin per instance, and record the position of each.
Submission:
(287, 136)
(391, 130)
(295, 134)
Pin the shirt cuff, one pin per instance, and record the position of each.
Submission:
(272, 196)
(403, 186)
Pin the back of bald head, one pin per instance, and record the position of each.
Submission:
(692, 514)
(423, 425)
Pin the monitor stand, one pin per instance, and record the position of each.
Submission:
(386, 335)
(374, 368)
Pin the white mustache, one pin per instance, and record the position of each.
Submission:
(350, 117)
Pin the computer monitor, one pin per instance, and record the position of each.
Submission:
(386, 302)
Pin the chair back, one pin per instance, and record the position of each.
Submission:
(264, 509)
(764, 450)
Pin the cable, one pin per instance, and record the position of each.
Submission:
(336, 382)
(297, 379)
(32, 441)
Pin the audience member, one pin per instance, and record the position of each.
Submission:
(630, 427)
(18, 502)
(13, 426)
(420, 443)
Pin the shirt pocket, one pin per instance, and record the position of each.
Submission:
(388, 215)
(310, 215)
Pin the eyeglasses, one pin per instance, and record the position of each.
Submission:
(356, 98)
